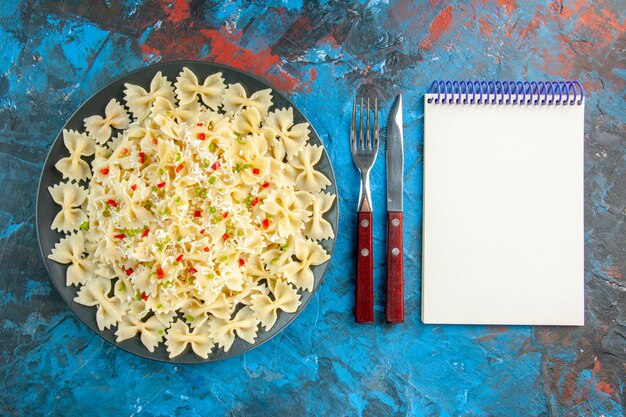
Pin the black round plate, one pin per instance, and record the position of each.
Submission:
(47, 209)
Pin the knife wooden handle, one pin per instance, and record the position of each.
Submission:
(364, 307)
(394, 311)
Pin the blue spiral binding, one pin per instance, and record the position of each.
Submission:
(565, 93)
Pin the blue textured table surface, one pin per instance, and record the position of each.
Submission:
(56, 54)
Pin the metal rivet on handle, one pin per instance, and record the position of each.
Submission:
(364, 223)
(364, 252)
(395, 251)
(395, 222)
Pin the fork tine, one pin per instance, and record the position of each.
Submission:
(368, 131)
(361, 144)
(353, 129)
(376, 123)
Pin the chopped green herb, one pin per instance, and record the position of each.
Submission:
(155, 188)
(223, 259)
(179, 238)
(84, 226)
(237, 168)
(161, 172)
(240, 233)
(274, 261)
(283, 247)
(206, 163)
(166, 284)
(177, 199)
(149, 264)
(106, 213)
(245, 166)
(236, 292)
(241, 140)
(212, 179)
(138, 297)
(161, 331)
(188, 318)
(212, 147)
(213, 210)
(159, 305)
(175, 263)
(121, 287)
(198, 191)
(178, 156)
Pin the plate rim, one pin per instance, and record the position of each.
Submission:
(147, 354)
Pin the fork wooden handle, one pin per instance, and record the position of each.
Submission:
(394, 312)
(364, 307)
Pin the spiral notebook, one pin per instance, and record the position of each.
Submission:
(503, 203)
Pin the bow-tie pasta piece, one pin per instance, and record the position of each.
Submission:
(288, 208)
(99, 127)
(309, 254)
(182, 113)
(292, 136)
(224, 331)
(95, 293)
(70, 196)
(74, 167)
(179, 336)
(210, 91)
(235, 99)
(286, 298)
(309, 179)
(318, 228)
(70, 250)
(139, 100)
(151, 331)
(247, 122)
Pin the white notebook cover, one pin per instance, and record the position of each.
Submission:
(503, 214)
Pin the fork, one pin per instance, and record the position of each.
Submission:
(364, 155)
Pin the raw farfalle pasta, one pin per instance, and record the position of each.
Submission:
(210, 91)
(74, 167)
(70, 197)
(199, 220)
(318, 228)
(292, 136)
(99, 127)
(235, 99)
(139, 100)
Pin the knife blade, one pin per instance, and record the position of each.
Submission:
(394, 312)
(395, 157)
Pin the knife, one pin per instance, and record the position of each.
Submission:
(394, 312)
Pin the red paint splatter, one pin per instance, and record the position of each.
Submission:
(437, 27)
(496, 331)
(613, 272)
(178, 11)
(509, 5)
(224, 50)
(331, 40)
(261, 62)
(604, 387)
(484, 27)
(532, 26)
(597, 367)
(148, 52)
(600, 23)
